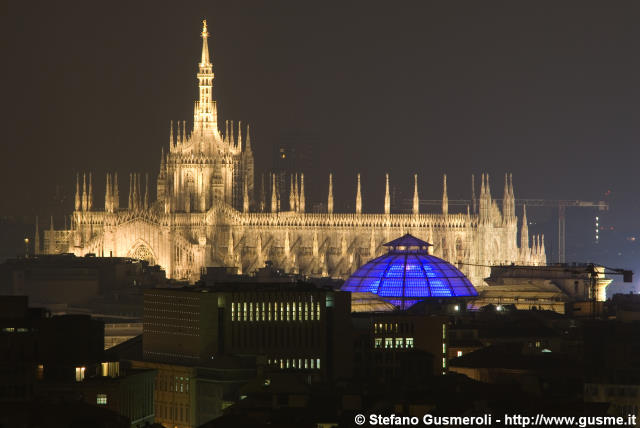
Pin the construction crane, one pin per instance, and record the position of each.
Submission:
(562, 219)
(562, 206)
(594, 270)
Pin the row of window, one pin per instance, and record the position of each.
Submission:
(169, 355)
(187, 319)
(444, 349)
(14, 330)
(265, 335)
(171, 299)
(380, 328)
(276, 311)
(177, 333)
(173, 384)
(295, 363)
(398, 342)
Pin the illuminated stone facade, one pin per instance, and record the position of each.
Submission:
(205, 214)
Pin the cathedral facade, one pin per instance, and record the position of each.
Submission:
(205, 214)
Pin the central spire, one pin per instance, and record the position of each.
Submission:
(205, 47)
(205, 114)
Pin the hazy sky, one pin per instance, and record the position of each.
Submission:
(546, 90)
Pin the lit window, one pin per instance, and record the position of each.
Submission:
(294, 311)
(388, 342)
(398, 342)
(251, 311)
(40, 372)
(459, 354)
(299, 363)
(288, 312)
(306, 363)
(318, 311)
(444, 363)
(444, 348)
(80, 373)
(8, 329)
(269, 311)
(101, 399)
(306, 311)
(318, 363)
(378, 342)
(408, 342)
(233, 311)
(313, 363)
(287, 363)
(244, 311)
(444, 331)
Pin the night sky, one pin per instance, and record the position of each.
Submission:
(546, 90)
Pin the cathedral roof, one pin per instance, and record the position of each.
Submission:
(408, 274)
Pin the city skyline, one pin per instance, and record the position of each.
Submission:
(404, 82)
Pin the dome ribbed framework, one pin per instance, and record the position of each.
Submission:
(407, 274)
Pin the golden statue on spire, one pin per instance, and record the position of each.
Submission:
(205, 33)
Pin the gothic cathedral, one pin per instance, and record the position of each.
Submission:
(202, 215)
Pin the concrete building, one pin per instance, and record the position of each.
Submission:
(205, 214)
(542, 287)
(64, 282)
(296, 327)
(399, 346)
(52, 359)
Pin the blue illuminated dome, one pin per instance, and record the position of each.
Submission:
(408, 274)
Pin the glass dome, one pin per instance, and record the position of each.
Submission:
(408, 274)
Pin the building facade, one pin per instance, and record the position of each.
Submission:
(296, 327)
(205, 214)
